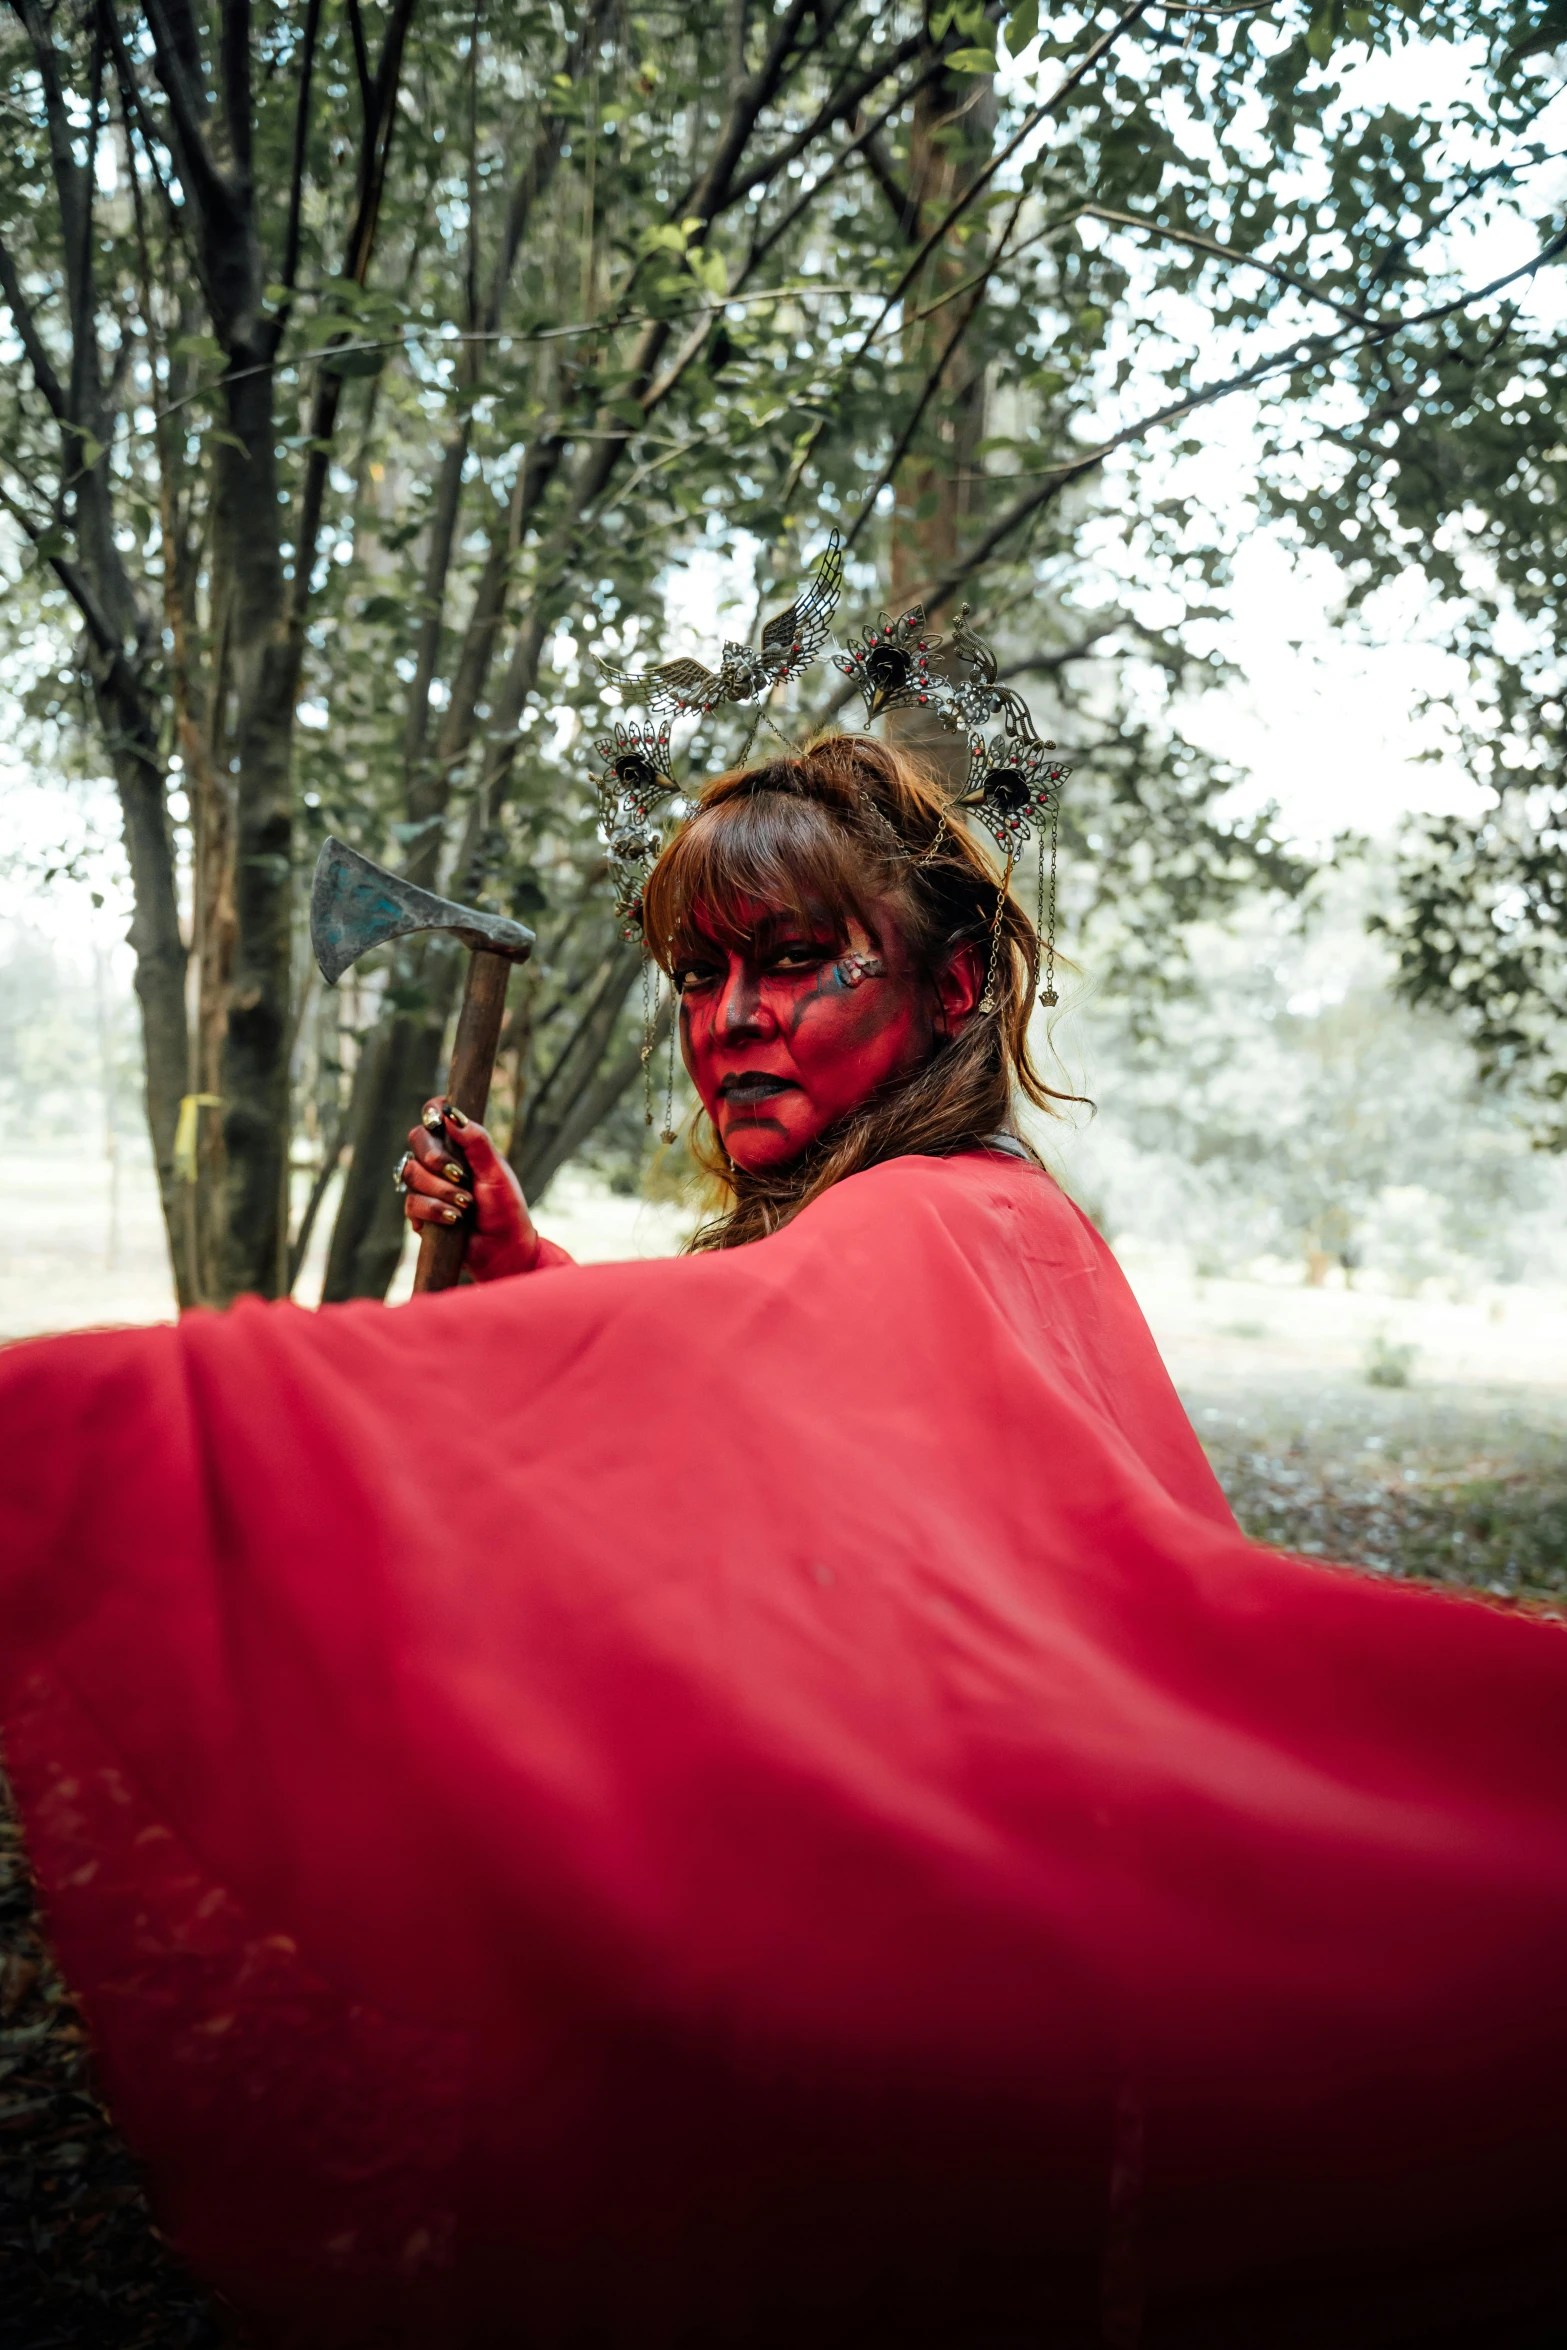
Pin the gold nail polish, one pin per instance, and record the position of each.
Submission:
(449, 1215)
(453, 1174)
(464, 1199)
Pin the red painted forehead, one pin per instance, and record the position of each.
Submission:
(747, 921)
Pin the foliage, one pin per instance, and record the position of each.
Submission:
(1441, 449)
(380, 367)
(1288, 1105)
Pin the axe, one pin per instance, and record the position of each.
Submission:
(356, 905)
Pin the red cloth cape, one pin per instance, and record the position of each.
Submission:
(764, 1799)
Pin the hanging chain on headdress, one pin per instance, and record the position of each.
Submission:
(649, 1015)
(987, 1002)
(1045, 928)
(668, 1133)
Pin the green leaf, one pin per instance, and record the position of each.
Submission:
(970, 61)
(1323, 27)
(1022, 27)
(712, 271)
(203, 347)
(353, 363)
(90, 451)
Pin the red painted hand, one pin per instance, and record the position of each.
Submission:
(502, 1239)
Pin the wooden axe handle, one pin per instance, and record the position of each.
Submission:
(442, 1247)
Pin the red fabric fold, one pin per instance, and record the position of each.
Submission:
(763, 1798)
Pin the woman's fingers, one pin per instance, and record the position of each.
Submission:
(436, 1156)
(434, 1183)
(420, 1208)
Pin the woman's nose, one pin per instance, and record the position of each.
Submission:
(743, 1012)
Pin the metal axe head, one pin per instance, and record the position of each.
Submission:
(356, 905)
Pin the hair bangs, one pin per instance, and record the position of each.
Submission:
(768, 847)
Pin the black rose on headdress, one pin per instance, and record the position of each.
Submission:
(1013, 786)
(636, 766)
(890, 663)
(636, 775)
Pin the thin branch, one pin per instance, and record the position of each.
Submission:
(812, 289)
(296, 176)
(900, 200)
(118, 672)
(933, 379)
(982, 179)
(712, 190)
(374, 162)
(356, 27)
(32, 342)
(318, 1191)
(1221, 252)
(136, 110)
(535, 175)
(840, 163)
(970, 195)
(179, 70)
(1316, 350)
(839, 108)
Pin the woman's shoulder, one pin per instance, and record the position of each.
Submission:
(999, 1186)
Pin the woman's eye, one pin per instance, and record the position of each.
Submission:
(694, 975)
(801, 955)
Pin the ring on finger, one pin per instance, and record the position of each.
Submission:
(400, 1173)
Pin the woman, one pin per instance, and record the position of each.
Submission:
(762, 1799)
(828, 933)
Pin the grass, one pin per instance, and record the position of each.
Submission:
(1407, 1481)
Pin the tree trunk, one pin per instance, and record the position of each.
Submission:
(933, 497)
(160, 958)
(399, 1069)
(261, 678)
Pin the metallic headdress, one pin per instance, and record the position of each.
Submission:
(1013, 786)
(790, 643)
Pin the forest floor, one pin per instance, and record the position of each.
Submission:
(1414, 1437)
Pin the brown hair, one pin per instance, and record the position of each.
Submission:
(854, 829)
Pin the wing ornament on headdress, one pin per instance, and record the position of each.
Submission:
(974, 700)
(790, 643)
(889, 664)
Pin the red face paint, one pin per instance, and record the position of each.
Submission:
(788, 1032)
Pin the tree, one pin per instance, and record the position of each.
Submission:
(1446, 453)
(378, 367)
